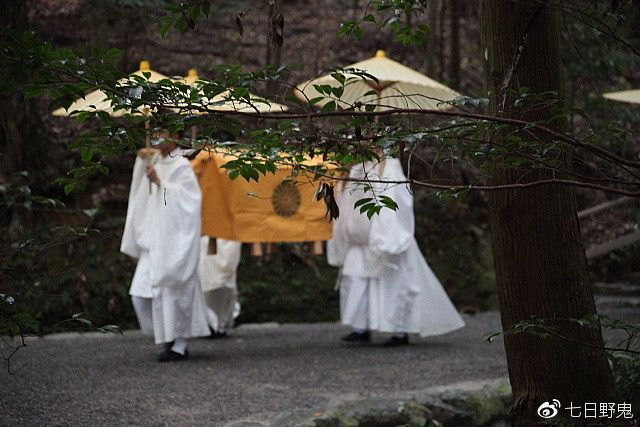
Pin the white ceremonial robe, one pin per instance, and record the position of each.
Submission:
(218, 274)
(162, 230)
(385, 282)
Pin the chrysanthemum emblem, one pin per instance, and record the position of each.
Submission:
(286, 199)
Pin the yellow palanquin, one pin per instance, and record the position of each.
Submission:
(277, 208)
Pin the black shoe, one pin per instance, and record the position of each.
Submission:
(357, 337)
(172, 356)
(395, 341)
(168, 345)
(217, 335)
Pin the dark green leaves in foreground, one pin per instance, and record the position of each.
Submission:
(400, 16)
(373, 205)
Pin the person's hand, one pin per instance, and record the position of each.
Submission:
(152, 174)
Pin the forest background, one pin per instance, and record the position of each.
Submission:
(87, 273)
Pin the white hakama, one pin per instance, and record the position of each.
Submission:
(385, 282)
(218, 274)
(162, 231)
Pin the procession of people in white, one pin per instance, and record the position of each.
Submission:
(218, 276)
(385, 283)
(162, 230)
(181, 291)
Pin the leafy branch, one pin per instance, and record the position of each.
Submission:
(544, 329)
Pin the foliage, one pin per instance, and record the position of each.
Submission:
(343, 134)
(626, 374)
(624, 356)
(465, 268)
(398, 15)
(177, 106)
(40, 282)
(304, 290)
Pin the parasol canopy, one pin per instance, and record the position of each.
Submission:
(98, 100)
(222, 101)
(397, 87)
(632, 96)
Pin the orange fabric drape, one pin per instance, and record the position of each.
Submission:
(277, 208)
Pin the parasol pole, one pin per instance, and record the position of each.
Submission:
(212, 245)
(190, 79)
(147, 139)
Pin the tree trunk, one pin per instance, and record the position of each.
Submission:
(270, 8)
(441, 38)
(275, 39)
(355, 5)
(454, 54)
(432, 41)
(541, 268)
(22, 136)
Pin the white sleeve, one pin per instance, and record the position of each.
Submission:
(177, 205)
(393, 231)
(130, 244)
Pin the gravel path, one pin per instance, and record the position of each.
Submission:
(260, 372)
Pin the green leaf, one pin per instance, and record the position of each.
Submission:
(362, 202)
(322, 89)
(337, 91)
(329, 106)
(314, 101)
(70, 188)
(492, 336)
(366, 207)
(110, 328)
(369, 18)
(86, 153)
(84, 322)
(389, 202)
(351, 29)
(373, 211)
(339, 77)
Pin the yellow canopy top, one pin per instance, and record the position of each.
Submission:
(221, 102)
(98, 101)
(632, 96)
(397, 87)
(145, 67)
(192, 76)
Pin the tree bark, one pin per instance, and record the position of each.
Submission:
(541, 268)
(454, 53)
(441, 38)
(432, 41)
(270, 8)
(21, 130)
(275, 39)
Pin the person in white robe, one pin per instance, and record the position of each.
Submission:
(385, 283)
(218, 274)
(162, 231)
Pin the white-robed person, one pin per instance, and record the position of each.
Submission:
(219, 260)
(385, 283)
(162, 230)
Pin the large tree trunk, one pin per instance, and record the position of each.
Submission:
(22, 136)
(540, 266)
(441, 39)
(275, 39)
(432, 41)
(454, 53)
